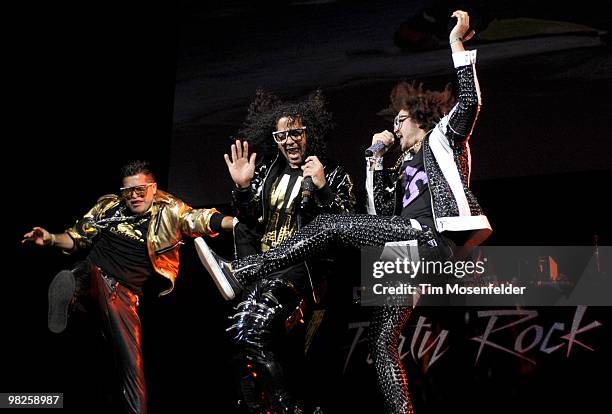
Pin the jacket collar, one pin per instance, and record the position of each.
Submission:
(162, 197)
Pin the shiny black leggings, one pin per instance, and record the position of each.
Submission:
(117, 307)
(325, 231)
(352, 230)
(257, 326)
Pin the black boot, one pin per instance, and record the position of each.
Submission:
(61, 296)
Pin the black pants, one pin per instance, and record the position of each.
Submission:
(116, 307)
(355, 230)
(325, 231)
(258, 328)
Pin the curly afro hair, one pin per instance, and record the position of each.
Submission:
(265, 111)
(425, 107)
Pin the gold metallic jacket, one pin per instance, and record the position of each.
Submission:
(171, 219)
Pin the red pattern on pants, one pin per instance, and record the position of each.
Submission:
(122, 329)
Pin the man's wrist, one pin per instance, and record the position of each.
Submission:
(53, 240)
(324, 195)
(322, 187)
(217, 221)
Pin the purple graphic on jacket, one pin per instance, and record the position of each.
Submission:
(415, 182)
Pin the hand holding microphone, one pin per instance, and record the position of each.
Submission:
(314, 177)
(308, 189)
(381, 142)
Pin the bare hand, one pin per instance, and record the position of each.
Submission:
(386, 138)
(313, 168)
(38, 236)
(460, 31)
(241, 167)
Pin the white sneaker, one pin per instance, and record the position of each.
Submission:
(219, 269)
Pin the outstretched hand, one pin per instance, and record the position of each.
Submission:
(241, 167)
(38, 236)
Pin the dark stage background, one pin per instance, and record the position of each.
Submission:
(91, 86)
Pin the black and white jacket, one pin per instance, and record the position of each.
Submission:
(447, 162)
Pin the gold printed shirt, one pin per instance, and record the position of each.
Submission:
(285, 190)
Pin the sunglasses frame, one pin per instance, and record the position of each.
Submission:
(132, 189)
(398, 121)
(286, 132)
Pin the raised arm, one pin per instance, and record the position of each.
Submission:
(245, 199)
(459, 123)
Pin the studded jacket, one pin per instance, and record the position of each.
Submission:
(171, 219)
(447, 162)
(336, 197)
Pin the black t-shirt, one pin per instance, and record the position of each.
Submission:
(120, 249)
(414, 190)
(281, 199)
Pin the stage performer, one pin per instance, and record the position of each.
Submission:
(132, 238)
(425, 198)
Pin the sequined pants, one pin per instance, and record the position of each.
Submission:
(257, 327)
(383, 337)
(352, 230)
(326, 230)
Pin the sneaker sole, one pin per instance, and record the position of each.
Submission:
(210, 263)
(61, 291)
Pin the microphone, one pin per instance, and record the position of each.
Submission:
(374, 148)
(308, 188)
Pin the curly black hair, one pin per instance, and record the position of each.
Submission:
(265, 111)
(135, 167)
(425, 107)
